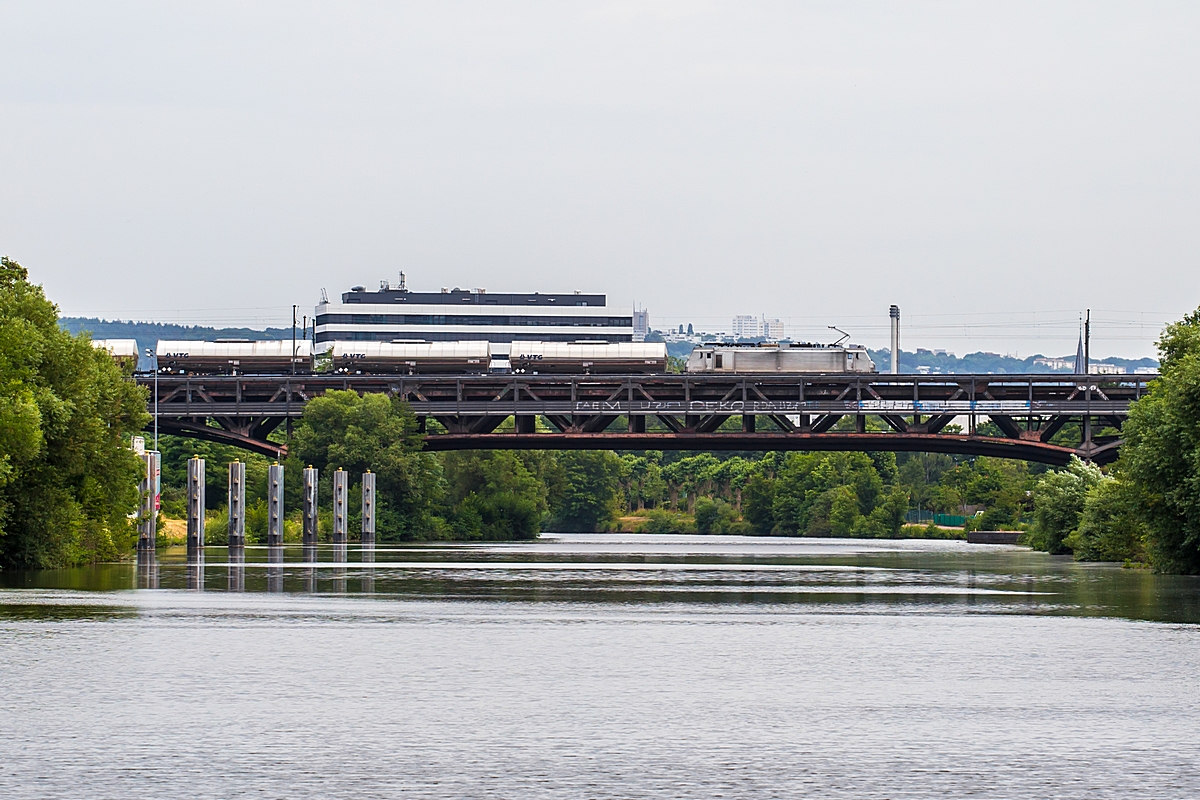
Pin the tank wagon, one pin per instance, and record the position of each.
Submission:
(406, 358)
(123, 351)
(242, 357)
(620, 358)
(233, 357)
(780, 358)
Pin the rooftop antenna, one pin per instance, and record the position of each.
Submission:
(403, 288)
(324, 295)
(844, 337)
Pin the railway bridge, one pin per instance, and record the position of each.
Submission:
(686, 412)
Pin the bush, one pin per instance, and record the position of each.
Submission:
(1058, 502)
(661, 520)
(1110, 528)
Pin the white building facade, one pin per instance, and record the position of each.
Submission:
(452, 315)
(745, 326)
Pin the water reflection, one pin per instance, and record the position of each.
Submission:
(340, 553)
(147, 570)
(844, 575)
(367, 585)
(310, 571)
(236, 581)
(275, 568)
(195, 569)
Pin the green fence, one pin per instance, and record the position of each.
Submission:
(925, 517)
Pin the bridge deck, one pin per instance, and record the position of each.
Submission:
(690, 411)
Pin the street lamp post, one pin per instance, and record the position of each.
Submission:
(151, 354)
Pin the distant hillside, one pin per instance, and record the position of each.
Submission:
(983, 363)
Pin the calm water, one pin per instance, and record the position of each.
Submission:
(603, 666)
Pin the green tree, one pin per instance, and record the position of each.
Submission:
(1161, 454)
(1058, 501)
(1111, 526)
(377, 433)
(758, 501)
(68, 480)
(494, 496)
(590, 486)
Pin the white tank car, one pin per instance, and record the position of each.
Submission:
(612, 358)
(122, 350)
(782, 358)
(406, 358)
(234, 357)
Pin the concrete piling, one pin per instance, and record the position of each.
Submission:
(341, 482)
(275, 505)
(148, 514)
(237, 508)
(368, 509)
(310, 507)
(195, 505)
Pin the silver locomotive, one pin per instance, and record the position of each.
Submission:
(780, 358)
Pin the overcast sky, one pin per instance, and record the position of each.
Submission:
(994, 169)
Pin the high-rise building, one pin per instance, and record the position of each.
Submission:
(745, 326)
(641, 324)
(772, 329)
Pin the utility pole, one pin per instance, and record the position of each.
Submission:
(293, 360)
(294, 307)
(152, 354)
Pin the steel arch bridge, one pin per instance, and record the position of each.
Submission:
(684, 412)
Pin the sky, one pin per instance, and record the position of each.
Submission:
(993, 168)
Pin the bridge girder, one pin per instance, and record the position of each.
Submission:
(691, 409)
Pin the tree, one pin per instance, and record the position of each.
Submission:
(1161, 454)
(494, 496)
(1111, 527)
(590, 486)
(68, 480)
(1058, 502)
(377, 433)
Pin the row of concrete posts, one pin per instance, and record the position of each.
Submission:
(147, 532)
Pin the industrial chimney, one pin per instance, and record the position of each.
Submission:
(894, 313)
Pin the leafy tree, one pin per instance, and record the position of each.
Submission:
(377, 433)
(1111, 526)
(1058, 502)
(758, 502)
(1161, 454)
(590, 486)
(68, 480)
(717, 516)
(494, 496)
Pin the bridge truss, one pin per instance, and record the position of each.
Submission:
(687, 412)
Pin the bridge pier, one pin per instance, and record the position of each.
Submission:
(309, 537)
(148, 514)
(341, 481)
(275, 505)
(237, 509)
(195, 506)
(368, 510)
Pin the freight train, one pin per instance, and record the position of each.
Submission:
(403, 357)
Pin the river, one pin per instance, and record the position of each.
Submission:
(604, 666)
